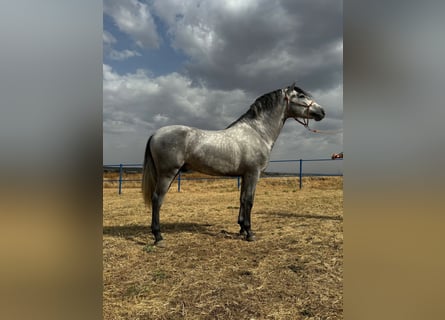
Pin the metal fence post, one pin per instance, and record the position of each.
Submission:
(120, 178)
(179, 181)
(301, 173)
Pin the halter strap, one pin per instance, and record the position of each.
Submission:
(305, 121)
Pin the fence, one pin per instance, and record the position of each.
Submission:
(179, 178)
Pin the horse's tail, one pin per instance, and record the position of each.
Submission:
(149, 176)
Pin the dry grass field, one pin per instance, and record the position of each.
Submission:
(293, 270)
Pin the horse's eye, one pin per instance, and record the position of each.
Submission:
(301, 96)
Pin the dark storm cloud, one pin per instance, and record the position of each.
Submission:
(265, 47)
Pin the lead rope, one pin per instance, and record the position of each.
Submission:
(325, 131)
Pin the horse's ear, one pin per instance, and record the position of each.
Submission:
(290, 88)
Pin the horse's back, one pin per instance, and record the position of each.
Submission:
(169, 134)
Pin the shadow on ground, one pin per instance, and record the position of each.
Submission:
(134, 231)
(300, 215)
(139, 233)
(137, 230)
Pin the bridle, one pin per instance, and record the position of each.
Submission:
(305, 121)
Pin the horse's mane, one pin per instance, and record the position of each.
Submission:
(299, 90)
(262, 105)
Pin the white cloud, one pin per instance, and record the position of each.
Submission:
(169, 99)
(122, 55)
(134, 18)
(108, 38)
(159, 118)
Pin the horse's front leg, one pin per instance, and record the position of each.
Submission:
(247, 196)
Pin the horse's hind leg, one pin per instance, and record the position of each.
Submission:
(162, 187)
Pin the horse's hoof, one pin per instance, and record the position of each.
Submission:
(250, 237)
(160, 244)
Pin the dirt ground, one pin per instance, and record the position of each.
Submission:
(293, 271)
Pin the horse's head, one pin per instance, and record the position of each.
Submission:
(300, 104)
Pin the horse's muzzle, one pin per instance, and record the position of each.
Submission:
(318, 114)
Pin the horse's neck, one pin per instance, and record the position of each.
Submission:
(268, 124)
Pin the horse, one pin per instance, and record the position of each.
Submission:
(242, 149)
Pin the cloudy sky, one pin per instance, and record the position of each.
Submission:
(203, 63)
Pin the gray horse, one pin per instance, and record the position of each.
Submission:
(242, 149)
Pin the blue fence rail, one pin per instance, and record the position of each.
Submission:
(121, 167)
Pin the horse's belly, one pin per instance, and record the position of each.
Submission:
(214, 160)
(213, 153)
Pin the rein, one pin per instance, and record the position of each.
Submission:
(305, 121)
